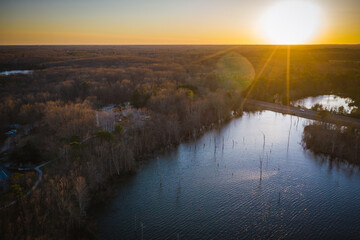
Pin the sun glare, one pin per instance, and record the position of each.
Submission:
(291, 22)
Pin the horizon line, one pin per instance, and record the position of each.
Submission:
(183, 44)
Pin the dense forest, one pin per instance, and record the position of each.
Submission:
(182, 89)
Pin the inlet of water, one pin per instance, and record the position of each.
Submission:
(260, 185)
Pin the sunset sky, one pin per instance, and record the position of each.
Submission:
(161, 22)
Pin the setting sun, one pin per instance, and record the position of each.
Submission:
(169, 119)
(291, 22)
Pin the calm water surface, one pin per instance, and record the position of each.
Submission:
(329, 102)
(197, 192)
(16, 72)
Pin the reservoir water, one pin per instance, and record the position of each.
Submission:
(6, 73)
(250, 179)
(329, 102)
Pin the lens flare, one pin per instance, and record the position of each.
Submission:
(234, 71)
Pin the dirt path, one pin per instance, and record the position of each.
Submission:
(38, 169)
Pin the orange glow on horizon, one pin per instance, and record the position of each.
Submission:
(160, 22)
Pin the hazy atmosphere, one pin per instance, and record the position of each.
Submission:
(162, 22)
(134, 119)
